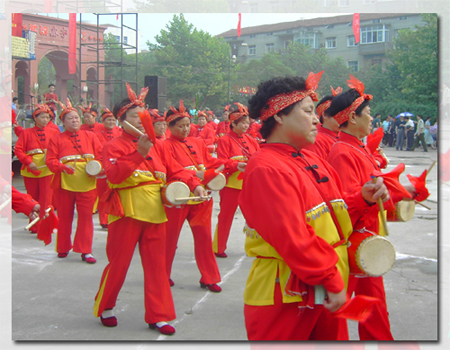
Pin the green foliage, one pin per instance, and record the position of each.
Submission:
(46, 75)
(415, 55)
(193, 62)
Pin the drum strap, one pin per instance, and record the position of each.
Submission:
(245, 152)
(185, 148)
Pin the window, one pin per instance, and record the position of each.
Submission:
(125, 40)
(254, 7)
(368, 2)
(269, 33)
(270, 47)
(117, 37)
(374, 34)
(402, 18)
(376, 61)
(274, 6)
(252, 35)
(376, 21)
(351, 41)
(344, 3)
(330, 43)
(330, 26)
(306, 38)
(252, 50)
(329, 3)
(286, 43)
(352, 65)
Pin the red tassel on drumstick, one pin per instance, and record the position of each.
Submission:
(147, 123)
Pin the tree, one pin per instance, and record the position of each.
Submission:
(416, 56)
(193, 62)
(46, 75)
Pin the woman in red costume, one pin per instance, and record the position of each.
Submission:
(106, 134)
(136, 170)
(297, 221)
(328, 130)
(351, 158)
(159, 124)
(67, 155)
(203, 131)
(89, 115)
(224, 126)
(192, 154)
(31, 149)
(236, 145)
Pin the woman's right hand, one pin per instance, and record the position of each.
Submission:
(334, 301)
(144, 145)
(33, 166)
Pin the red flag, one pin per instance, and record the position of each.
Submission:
(391, 180)
(147, 123)
(117, 17)
(47, 226)
(16, 23)
(239, 26)
(356, 27)
(72, 43)
(373, 140)
(358, 308)
(419, 185)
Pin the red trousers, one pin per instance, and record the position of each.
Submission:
(123, 235)
(228, 205)
(288, 322)
(377, 326)
(39, 189)
(85, 227)
(102, 186)
(199, 218)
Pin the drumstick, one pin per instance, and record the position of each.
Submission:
(431, 167)
(35, 220)
(423, 205)
(220, 168)
(380, 206)
(132, 127)
(5, 203)
(191, 198)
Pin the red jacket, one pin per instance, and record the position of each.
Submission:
(94, 128)
(223, 128)
(105, 135)
(206, 134)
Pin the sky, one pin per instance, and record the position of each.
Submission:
(150, 24)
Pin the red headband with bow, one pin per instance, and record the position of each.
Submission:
(180, 113)
(235, 115)
(279, 102)
(66, 109)
(325, 105)
(42, 109)
(135, 100)
(353, 83)
(106, 113)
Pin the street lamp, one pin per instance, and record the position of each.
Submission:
(232, 58)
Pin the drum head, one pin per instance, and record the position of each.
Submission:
(406, 210)
(217, 183)
(175, 190)
(93, 167)
(376, 256)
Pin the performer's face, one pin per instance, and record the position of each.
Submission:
(160, 128)
(109, 123)
(201, 121)
(242, 126)
(72, 121)
(181, 128)
(42, 120)
(299, 128)
(89, 119)
(225, 115)
(132, 117)
(364, 123)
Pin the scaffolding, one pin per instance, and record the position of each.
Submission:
(105, 64)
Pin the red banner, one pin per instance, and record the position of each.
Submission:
(239, 26)
(72, 43)
(356, 30)
(16, 23)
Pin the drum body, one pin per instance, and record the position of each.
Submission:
(403, 211)
(173, 190)
(217, 183)
(93, 167)
(369, 254)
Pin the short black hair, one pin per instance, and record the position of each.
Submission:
(323, 100)
(51, 84)
(237, 121)
(15, 99)
(270, 88)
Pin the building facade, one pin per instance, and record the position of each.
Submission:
(335, 34)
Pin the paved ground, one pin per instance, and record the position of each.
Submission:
(52, 298)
